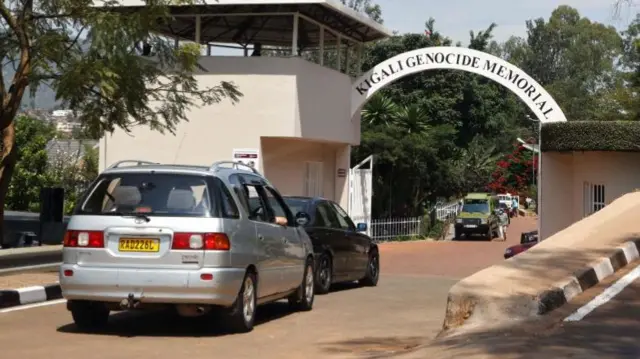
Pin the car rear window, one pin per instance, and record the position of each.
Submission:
(149, 193)
(296, 204)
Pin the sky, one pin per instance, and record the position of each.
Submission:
(455, 18)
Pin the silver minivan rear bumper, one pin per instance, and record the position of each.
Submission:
(166, 286)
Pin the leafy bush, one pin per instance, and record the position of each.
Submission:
(591, 136)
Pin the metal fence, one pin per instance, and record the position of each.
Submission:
(447, 211)
(390, 229)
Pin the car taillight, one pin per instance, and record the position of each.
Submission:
(84, 239)
(203, 241)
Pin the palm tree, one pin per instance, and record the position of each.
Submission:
(379, 111)
(411, 119)
(475, 164)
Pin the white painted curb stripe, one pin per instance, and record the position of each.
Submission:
(605, 296)
(603, 269)
(33, 294)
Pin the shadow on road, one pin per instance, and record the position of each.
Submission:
(341, 287)
(167, 323)
(611, 333)
(370, 348)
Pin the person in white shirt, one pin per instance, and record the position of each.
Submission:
(503, 223)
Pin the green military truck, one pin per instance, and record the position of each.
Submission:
(477, 216)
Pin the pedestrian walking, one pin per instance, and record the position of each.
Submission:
(503, 223)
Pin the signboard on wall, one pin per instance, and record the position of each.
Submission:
(250, 157)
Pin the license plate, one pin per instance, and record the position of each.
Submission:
(139, 245)
(470, 226)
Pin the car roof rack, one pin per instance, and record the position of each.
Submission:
(217, 165)
(137, 162)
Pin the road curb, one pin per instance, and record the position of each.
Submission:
(469, 309)
(29, 295)
(562, 292)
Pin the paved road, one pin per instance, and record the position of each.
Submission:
(610, 331)
(404, 311)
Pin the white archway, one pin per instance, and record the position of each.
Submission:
(457, 58)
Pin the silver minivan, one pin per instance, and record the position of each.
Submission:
(195, 238)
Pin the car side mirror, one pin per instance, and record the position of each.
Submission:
(361, 227)
(302, 218)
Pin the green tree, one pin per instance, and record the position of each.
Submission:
(435, 134)
(626, 96)
(575, 59)
(87, 55)
(30, 174)
(367, 7)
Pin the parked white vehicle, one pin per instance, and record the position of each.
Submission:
(506, 198)
(193, 238)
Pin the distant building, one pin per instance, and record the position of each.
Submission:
(65, 151)
(66, 127)
(62, 113)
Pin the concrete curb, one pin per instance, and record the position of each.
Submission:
(29, 295)
(30, 256)
(594, 273)
(463, 303)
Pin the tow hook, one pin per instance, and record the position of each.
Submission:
(130, 302)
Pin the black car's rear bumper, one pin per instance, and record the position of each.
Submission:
(462, 228)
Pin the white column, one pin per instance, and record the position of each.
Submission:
(294, 39)
(339, 52)
(347, 65)
(539, 184)
(198, 29)
(321, 54)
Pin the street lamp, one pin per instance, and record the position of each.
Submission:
(539, 152)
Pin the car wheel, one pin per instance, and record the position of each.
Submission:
(302, 299)
(89, 315)
(456, 235)
(489, 234)
(324, 274)
(373, 270)
(243, 312)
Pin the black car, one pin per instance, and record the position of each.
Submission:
(343, 252)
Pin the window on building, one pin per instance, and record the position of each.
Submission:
(314, 177)
(594, 198)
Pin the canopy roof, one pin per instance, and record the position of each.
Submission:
(269, 22)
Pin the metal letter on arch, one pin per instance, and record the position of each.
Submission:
(399, 66)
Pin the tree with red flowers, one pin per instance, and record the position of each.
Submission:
(514, 172)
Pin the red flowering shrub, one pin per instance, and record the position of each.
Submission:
(514, 173)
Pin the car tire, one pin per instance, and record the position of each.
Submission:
(373, 270)
(302, 299)
(324, 274)
(243, 312)
(89, 316)
(456, 235)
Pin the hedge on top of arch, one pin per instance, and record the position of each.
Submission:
(619, 136)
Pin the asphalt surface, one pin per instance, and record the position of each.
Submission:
(610, 331)
(404, 311)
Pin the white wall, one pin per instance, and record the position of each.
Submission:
(563, 178)
(283, 97)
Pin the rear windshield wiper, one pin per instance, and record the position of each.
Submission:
(132, 215)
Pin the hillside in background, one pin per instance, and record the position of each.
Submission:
(45, 97)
